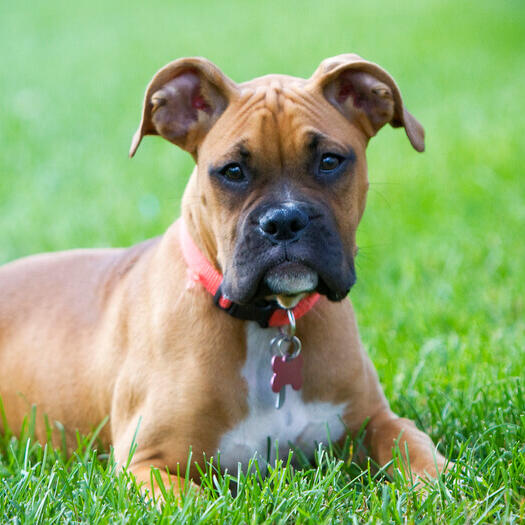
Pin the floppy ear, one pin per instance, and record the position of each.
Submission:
(366, 94)
(183, 101)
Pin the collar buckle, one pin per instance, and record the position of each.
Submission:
(260, 312)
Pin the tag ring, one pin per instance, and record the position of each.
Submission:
(294, 343)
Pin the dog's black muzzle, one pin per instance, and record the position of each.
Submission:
(296, 232)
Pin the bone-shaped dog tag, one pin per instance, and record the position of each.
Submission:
(286, 371)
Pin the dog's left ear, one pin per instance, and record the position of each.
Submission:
(366, 94)
(183, 101)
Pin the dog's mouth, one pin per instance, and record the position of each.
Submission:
(289, 282)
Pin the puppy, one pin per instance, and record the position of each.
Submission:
(234, 326)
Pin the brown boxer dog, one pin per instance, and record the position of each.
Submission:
(269, 220)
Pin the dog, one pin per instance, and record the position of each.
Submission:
(234, 326)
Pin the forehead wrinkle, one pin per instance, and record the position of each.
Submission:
(282, 123)
(308, 115)
(249, 101)
(306, 103)
(257, 119)
(270, 135)
(273, 96)
(244, 115)
(273, 103)
(296, 129)
(289, 105)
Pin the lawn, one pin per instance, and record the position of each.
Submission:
(441, 276)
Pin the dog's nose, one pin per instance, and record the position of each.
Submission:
(284, 223)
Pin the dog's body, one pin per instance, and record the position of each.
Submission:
(274, 203)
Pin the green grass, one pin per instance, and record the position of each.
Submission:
(441, 273)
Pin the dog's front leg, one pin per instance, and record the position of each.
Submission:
(386, 431)
(158, 454)
(157, 457)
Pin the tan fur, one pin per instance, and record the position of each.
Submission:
(123, 333)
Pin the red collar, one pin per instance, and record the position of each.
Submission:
(202, 271)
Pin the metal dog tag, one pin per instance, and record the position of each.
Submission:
(287, 367)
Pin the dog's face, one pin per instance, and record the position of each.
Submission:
(286, 180)
(281, 173)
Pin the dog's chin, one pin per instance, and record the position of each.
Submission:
(289, 282)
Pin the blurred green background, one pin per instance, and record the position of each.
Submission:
(441, 275)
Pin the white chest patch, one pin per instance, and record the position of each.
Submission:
(267, 429)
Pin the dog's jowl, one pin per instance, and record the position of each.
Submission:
(232, 330)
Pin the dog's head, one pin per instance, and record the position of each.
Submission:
(281, 178)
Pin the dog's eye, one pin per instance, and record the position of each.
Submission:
(330, 162)
(233, 172)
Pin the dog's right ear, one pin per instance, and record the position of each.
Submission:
(183, 101)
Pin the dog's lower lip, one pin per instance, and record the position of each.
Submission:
(291, 278)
